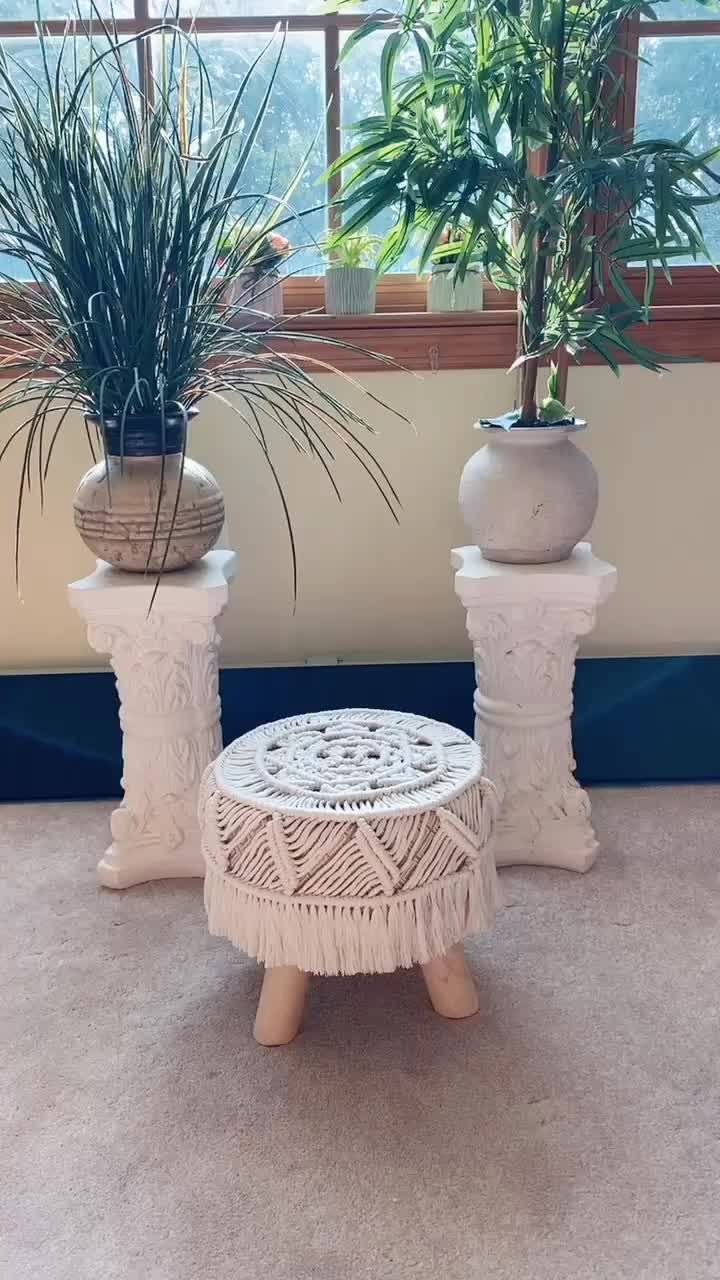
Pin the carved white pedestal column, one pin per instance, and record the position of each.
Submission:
(167, 678)
(524, 622)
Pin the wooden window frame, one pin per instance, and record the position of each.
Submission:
(685, 318)
(692, 285)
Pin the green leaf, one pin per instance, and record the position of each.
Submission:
(553, 382)
(648, 288)
(604, 350)
(354, 37)
(426, 62)
(449, 12)
(512, 124)
(623, 288)
(391, 49)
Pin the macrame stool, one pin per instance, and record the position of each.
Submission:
(349, 842)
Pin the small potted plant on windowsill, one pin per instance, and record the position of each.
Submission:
(447, 289)
(351, 274)
(512, 126)
(257, 285)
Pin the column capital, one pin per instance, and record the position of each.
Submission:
(201, 591)
(581, 581)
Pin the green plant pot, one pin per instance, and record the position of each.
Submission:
(447, 293)
(350, 291)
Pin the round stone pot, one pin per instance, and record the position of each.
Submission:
(350, 291)
(530, 495)
(447, 292)
(125, 506)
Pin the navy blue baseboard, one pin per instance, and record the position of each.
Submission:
(637, 720)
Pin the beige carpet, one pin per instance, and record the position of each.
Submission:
(572, 1130)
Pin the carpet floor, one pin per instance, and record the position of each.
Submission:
(571, 1130)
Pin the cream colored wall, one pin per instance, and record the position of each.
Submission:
(371, 590)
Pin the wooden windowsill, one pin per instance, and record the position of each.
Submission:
(478, 340)
(418, 341)
(685, 323)
(412, 340)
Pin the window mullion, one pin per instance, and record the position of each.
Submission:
(333, 111)
(141, 13)
(630, 58)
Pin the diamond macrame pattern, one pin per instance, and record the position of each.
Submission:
(348, 860)
(352, 841)
(378, 854)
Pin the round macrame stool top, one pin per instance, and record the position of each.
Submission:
(348, 841)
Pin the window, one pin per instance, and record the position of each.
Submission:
(361, 96)
(310, 89)
(317, 98)
(673, 86)
(293, 119)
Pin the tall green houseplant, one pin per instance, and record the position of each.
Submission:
(512, 126)
(118, 194)
(512, 129)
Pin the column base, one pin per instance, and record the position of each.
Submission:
(121, 867)
(525, 840)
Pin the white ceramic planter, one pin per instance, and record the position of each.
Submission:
(350, 291)
(530, 495)
(264, 295)
(447, 293)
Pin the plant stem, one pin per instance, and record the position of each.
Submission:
(532, 308)
(529, 410)
(535, 310)
(563, 368)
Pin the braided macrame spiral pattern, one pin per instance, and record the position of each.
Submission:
(348, 841)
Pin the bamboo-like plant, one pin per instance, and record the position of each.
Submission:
(119, 199)
(512, 129)
(450, 248)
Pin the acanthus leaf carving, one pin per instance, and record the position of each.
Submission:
(166, 669)
(525, 663)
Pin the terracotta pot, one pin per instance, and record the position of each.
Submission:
(350, 291)
(116, 503)
(530, 495)
(257, 295)
(448, 293)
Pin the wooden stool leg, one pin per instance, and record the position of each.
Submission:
(281, 1005)
(450, 987)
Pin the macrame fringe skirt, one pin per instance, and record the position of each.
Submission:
(349, 936)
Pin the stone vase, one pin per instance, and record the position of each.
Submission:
(447, 292)
(530, 495)
(145, 510)
(350, 291)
